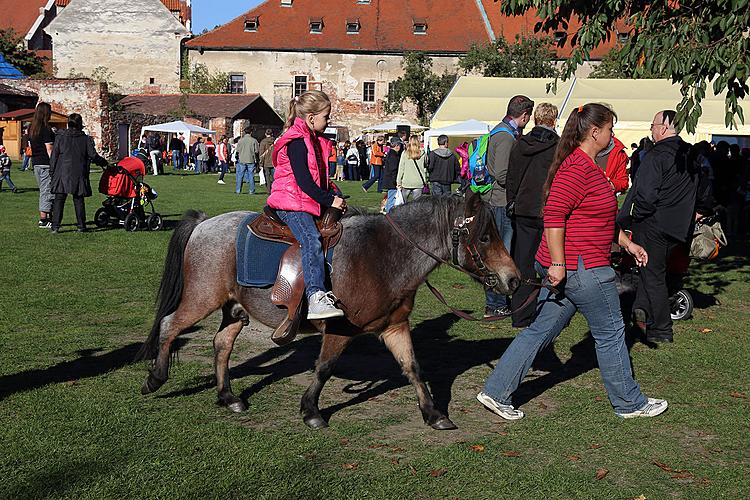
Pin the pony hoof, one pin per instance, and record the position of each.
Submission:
(316, 423)
(151, 385)
(237, 406)
(443, 424)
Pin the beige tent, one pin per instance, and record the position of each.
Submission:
(634, 101)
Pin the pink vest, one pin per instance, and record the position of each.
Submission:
(285, 193)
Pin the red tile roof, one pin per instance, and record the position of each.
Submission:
(20, 19)
(385, 26)
(173, 6)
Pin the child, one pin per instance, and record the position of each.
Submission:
(301, 190)
(5, 165)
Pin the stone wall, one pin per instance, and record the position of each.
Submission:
(341, 76)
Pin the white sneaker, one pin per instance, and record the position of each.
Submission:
(220, 182)
(322, 305)
(652, 408)
(505, 411)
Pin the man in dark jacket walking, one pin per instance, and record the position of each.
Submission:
(443, 167)
(662, 209)
(529, 162)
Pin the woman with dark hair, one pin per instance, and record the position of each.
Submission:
(579, 226)
(69, 168)
(41, 139)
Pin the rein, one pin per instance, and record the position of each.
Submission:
(489, 279)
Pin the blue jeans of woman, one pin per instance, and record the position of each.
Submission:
(223, 167)
(594, 294)
(376, 177)
(304, 229)
(391, 200)
(352, 171)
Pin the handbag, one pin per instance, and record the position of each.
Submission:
(708, 238)
(425, 187)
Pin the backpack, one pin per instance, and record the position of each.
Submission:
(352, 159)
(481, 180)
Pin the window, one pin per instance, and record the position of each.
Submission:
(286, 3)
(237, 84)
(251, 24)
(300, 85)
(420, 26)
(368, 92)
(316, 25)
(352, 26)
(151, 81)
(363, 1)
(623, 37)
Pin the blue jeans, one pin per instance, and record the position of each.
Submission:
(495, 300)
(25, 165)
(304, 229)
(246, 173)
(391, 200)
(592, 292)
(439, 188)
(199, 166)
(223, 167)
(376, 177)
(6, 177)
(176, 156)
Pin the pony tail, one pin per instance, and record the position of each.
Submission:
(291, 113)
(569, 141)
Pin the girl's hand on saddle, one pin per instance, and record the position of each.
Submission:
(556, 275)
(637, 251)
(339, 203)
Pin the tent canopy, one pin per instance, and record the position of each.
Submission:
(392, 126)
(177, 127)
(466, 129)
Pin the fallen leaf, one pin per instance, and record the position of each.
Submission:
(344, 441)
(601, 473)
(394, 461)
(598, 398)
(350, 466)
(458, 286)
(542, 405)
(511, 454)
(595, 446)
(477, 447)
(739, 395)
(574, 458)
(503, 433)
(705, 330)
(662, 466)
(438, 472)
(396, 449)
(682, 475)
(640, 497)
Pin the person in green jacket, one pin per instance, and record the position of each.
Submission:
(412, 174)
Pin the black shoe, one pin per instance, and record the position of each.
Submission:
(660, 337)
(639, 319)
(500, 311)
(53, 231)
(14, 190)
(45, 223)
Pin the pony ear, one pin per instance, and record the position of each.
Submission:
(473, 202)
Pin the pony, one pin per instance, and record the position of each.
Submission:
(376, 272)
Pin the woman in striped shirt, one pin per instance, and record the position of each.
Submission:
(579, 227)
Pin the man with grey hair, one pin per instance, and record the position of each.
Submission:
(662, 208)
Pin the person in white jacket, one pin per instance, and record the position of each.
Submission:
(352, 163)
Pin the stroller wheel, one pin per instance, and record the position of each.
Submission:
(101, 218)
(682, 305)
(154, 222)
(132, 221)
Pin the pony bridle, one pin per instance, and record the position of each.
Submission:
(461, 230)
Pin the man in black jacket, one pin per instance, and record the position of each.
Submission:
(663, 214)
(530, 159)
(443, 167)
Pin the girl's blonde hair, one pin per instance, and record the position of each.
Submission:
(310, 102)
(414, 150)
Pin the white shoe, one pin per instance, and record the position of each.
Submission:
(652, 408)
(505, 411)
(220, 182)
(322, 305)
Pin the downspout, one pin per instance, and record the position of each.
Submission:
(487, 24)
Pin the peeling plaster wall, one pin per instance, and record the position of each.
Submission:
(341, 76)
(134, 39)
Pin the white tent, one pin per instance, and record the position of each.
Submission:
(392, 126)
(176, 127)
(464, 130)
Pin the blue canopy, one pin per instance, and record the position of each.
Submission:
(7, 70)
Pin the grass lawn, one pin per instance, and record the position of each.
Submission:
(74, 425)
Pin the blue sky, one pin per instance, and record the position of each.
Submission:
(209, 13)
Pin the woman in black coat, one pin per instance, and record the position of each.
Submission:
(71, 158)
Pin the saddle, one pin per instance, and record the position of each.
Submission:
(289, 288)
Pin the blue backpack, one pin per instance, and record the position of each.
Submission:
(481, 180)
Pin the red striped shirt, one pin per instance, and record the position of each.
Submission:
(581, 201)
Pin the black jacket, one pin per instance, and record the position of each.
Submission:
(71, 158)
(529, 162)
(390, 169)
(442, 165)
(664, 189)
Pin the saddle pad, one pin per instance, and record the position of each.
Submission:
(257, 259)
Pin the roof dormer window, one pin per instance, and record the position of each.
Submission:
(316, 25)
(352, 26)
(251, 24)
(419, 26)
(286, 3)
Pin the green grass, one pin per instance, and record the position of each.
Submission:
(73, 424)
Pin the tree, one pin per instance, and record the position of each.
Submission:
(13, 48)
(527, 57)
(202, 81)
(692, 41)
(614, 65)
(419, 85)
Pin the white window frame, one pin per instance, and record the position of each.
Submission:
(294, 85)
(364, 92)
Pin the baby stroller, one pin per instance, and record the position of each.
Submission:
(128, 196)
(680, 300)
